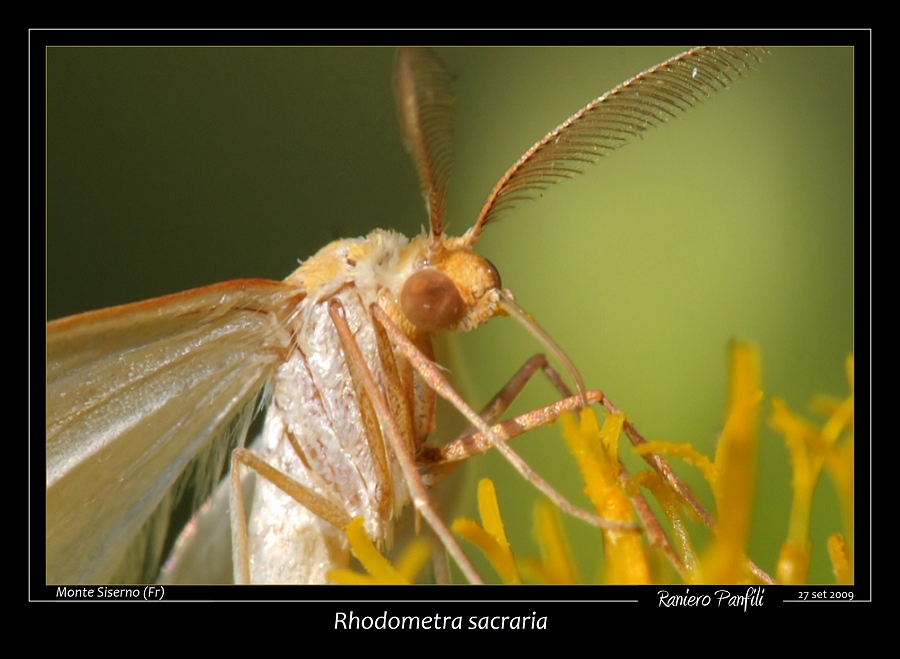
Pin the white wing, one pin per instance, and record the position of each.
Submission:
(137, 395)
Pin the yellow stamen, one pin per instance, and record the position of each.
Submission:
(557, 565)
(839, 554)
(684, 451)
(596, 451)
(735, 463)
(380, 569)
(490, 538)
(812, 449)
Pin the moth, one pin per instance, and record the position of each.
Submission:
(145, 397)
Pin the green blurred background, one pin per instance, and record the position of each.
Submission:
(171, 168)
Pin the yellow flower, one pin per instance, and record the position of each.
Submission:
(725, 560)
(556, 565)
(598, 458)
(491, 537)
(380, 570)
(811, 449)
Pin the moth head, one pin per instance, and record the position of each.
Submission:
(459, 291)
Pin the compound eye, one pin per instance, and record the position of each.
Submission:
(431, 301)
(493, 274)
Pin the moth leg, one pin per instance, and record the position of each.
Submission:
(328, 510)
(472, 442)
(202, 552)
(437, 381)
(492, 412)
(363, 379)
(475, 442)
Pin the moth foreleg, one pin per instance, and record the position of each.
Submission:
(363, 379)
(475, 442)
(513, 387)
(437, 381)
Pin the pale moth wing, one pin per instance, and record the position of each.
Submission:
(137, 393)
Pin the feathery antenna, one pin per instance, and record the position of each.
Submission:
(615, 119)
